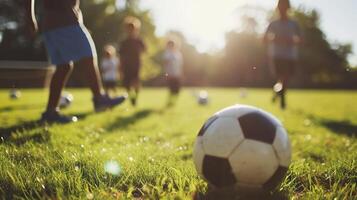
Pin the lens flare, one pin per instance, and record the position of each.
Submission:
(112, 167)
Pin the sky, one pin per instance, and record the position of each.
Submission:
(205, 22)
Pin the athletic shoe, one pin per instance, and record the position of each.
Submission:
(56, 117)
(105, 102)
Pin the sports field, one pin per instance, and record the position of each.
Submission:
(153, 146)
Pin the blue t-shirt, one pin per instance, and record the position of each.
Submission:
(287, 29)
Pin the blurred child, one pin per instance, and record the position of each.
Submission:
(172, 60)
(282, 37)
(109, 66)
(131, 50)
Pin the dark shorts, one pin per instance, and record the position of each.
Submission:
(130, 75)
(284, 67)
(174, 84)
(110, 84)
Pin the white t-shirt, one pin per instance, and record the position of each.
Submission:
(173, 62)
(283, 29)
(109, 68)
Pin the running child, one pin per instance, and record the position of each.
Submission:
(172, 60)
(130, 52)
(109, 66)
(282, 38)
(67, 40)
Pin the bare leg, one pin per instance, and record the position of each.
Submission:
(136, 84)
(59, 80)
(92, 75)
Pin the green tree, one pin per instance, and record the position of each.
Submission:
(320, 64)
(105, 22)
(320, 61)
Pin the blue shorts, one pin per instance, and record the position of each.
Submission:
(69, 44)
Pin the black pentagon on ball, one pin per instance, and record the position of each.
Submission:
(257, 126)
(207, 124)
(276, 179)
(218, 171)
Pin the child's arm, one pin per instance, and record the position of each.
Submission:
(268, 35)
(298, 37)
(31, 21)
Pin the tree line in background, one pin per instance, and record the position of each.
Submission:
(241, 63)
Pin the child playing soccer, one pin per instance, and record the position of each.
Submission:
(131, 50)
(67, 41)
(282, 37)
(109, 66)
(172, 58)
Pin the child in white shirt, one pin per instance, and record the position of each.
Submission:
(173, 62)
(109, 67)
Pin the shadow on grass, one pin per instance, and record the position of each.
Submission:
(82, 115)
(340, 127)
(343, 127)
(124, 122)
(34, 124)
(40, 137)
(19, 107)
(17, 134)
(230, 195)
(5, 133)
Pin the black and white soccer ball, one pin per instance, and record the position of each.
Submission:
(244, 148)
(14, 94)
(66, 100)
(202, 98)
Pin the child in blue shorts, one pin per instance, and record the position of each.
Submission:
(67, 41)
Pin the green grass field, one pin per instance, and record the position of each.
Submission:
(153, 146)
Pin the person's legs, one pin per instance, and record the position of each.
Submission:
(127, 86)
(136, 88)
(277, 86)
(171, 94)
(90, 67)
(174, 87)
(101, 100)
(110, 89)
(58, 82)
(284, 83)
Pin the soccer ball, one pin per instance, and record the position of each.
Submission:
(14, 94)
(278, 87)
(66, 100)
(202, 97)
(244, 148)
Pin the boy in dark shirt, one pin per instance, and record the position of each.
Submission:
(130, 58)
(67, 41)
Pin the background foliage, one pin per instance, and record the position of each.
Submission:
(241, 63)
